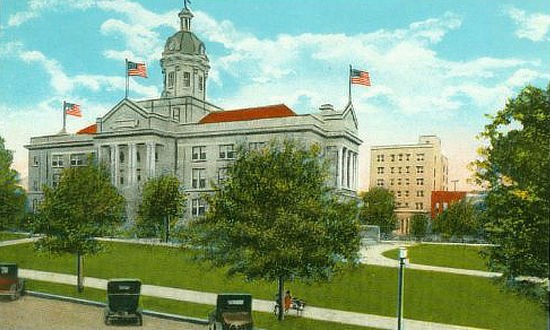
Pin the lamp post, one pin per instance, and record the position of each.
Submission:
(402, 258)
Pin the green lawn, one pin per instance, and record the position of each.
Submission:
(5, 236)
(262, 320)
(454, 256)
(429, 296)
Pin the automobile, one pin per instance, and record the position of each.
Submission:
(123, 301)
(233, 311)
(10, 284)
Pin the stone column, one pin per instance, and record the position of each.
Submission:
(150, 159)
(112, 162)
(132, 163)
(116, 167)
(344, 152)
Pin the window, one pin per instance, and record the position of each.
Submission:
(420, 169)
(398, 204)
(400, 157)
(406, 193)
(406, 204)
(398, 181)
(121, 157)
(392, 158)
(35, 185)
(138, 174)
(392, 170)
(256, 145)
(199, 153)
(57, 161)
(171, 79)
(445, 206)
(407, 169)
(399, 193)
(379, 158)
(55, 179)
(407, 182)
(380, 182)
(176, 114)
(227, 151)
(380, 170)
(199, 178)
(156, 156)
(35, 161)
(138, 157)
(408, 157)
(419, 182)
(200, 83)
(77, 160)
(420, 193)
(222, 174)
(391, 182)
(399, 170)
(186, 79)
(419, 206)
(198, 206)
(419, 157)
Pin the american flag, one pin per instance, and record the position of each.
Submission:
(137, 69)
(73, 109)
(359, 77)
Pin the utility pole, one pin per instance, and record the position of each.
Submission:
(402, 258)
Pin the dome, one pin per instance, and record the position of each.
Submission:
(185, 42)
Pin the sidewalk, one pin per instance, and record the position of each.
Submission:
(317, 313)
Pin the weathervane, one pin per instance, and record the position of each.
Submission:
(186, 3)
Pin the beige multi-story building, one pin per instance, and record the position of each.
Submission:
(411, 172)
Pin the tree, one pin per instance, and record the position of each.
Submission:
(84, 205)
(515, 169)
(462, 218)
(12, 195)
(419, 225)
(162, 204)
(378, 209)
(275, 218)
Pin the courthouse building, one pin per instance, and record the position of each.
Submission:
(411, 172)
(180, 133)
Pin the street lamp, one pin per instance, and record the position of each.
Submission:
(402, 258)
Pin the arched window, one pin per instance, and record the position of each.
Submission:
(121, 157)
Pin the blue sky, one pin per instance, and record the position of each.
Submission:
(436, 66)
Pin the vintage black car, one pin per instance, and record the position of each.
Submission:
(10, 284)
(123, 301)
(233, 311)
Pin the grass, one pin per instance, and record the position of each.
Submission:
(6, 236)
(453, 256)
(429, 296)
(262, 320)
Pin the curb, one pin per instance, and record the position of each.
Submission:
(167, 316)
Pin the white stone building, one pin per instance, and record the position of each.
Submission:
(182, 134)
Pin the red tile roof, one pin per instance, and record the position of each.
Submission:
(264, 112)
(92, 129)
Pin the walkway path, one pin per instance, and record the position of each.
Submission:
(372, 255)
(322, 314)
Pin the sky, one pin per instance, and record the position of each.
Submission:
(437, 67)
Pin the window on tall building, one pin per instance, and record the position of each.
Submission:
(77, 160)
(419, 157)
(121, 157)
(399, 193)
(420, 169)
(420, 193)
(57, 160)
(187, 79)
(399, 170)
(198, 178)
(171, 79)
(35, 185)
(222, 174)
(407, 182)
(380, 182)
(199, 153)
(176, 114)
(200, 83)
(406, 193)
(419, 206)
(35, 161)
(392, 170)
(391, 182)
(398, 181)
(419, 182)
(56, 177)
(138, 157)
(392, 158)
(407, 169)
(400, 157)
(379, 158)
(138, 174)
(380, 170)
(198, 206)
(227, 151)
(408, 157)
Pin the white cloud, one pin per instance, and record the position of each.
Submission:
(534, 27)
(37, 7)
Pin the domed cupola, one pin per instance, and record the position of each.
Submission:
(184, 62)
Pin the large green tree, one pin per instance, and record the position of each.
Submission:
(515, 169)
(275, 218)
(379, 209)
(84, 205)
(462, 218)
(12, 195)
(162, 204)
(419, 225)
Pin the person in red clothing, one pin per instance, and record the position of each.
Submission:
(287, 301)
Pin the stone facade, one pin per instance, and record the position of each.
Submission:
(182, 134)
(411, 172)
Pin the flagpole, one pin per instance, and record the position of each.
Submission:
(64, 130)
(349, 85)
(127, 80)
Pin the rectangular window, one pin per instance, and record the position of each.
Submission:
(380, 170)
(380, 158)
(138, 174)
(35, 185)
(171, 79)
(256, 145)
(35, 161)
(408, 157)
(420, 169)
(77, 160)
(187, 79)
(419, 206)
(420, 193)
(56, 178)
(407, 169)
(199, 178)
(198, 207)
(392, 170)
(227, 151)
(445, 206)
(57, 161)
(380, 182)
(419, 157)
(419, 182)
(400, 157)
(406, 193)
(399, 193)
(392, 158)
(200, 83)
(391, 182)
(199, 153)
(176, 114)
(407, 182)
(398, 181)
(399, 170)
(222, 174)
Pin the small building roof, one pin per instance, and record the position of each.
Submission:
(92, 129)
(263, 112)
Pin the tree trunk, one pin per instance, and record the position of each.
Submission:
(281, 284)
(166, 228)
(79, 279)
